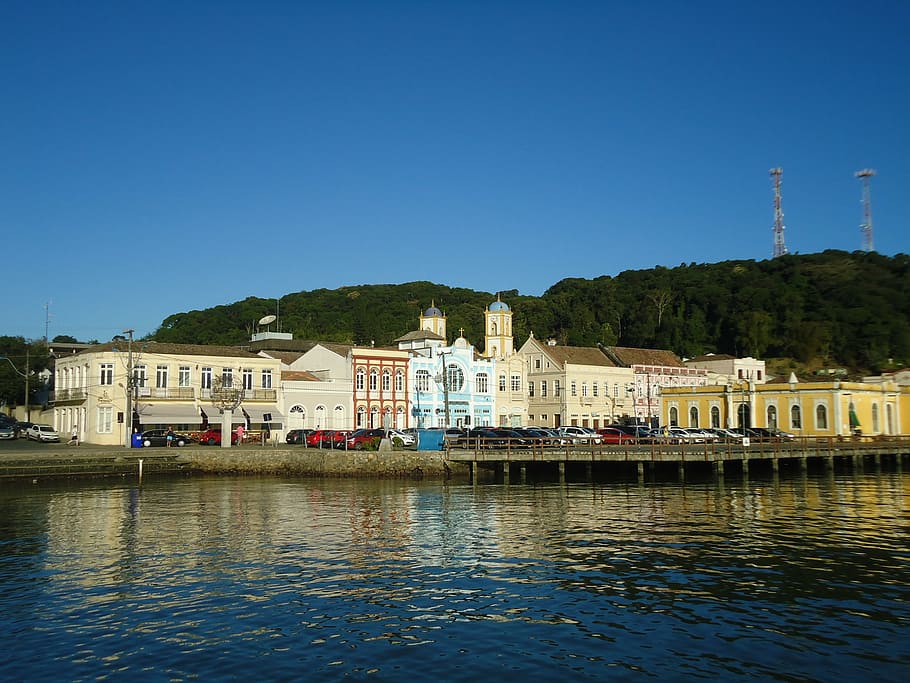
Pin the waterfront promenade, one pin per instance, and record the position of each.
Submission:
(575, 461)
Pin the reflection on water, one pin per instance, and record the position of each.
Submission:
(802, 579)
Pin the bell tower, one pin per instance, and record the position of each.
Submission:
(432, 320)
(498, 341)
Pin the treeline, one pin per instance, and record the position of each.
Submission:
(849, 309)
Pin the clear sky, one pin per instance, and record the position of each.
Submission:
(167, 156)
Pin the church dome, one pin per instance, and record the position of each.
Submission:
(433, 312)
(499, 306)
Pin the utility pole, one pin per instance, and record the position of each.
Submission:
(445, 388)
(866, 227)
(130, 382)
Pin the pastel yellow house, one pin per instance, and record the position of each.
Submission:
(832, 408)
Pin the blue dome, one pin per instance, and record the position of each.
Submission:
(499, 306)
(432, 311)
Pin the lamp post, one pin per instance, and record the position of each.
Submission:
(28, 406)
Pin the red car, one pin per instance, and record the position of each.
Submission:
(364, 438)
(213, 438)
(327, 438)
(614, 435)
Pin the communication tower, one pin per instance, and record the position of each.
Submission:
(779, 247)
(866, 226)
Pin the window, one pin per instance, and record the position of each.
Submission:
(161, 377)
(399, 380)
(422, 380)
(105, 419)
(674, 417)
(693, 416)
(758, 375)
(796, 419)
(594, 389)
(615, 391)
(227, 378)
(267, 379)
(455, 378)
(361, 413)
(875, 427)
(107, 373)
(516, 382)
(386, 380)
(556, 388)
(584, 390)
(531, 389)
(359, 379)
(772, 417)
(715, 417)
(140, 373)
(183, 376)
(740, 376)
(543, 388)
(821, 416)
(502, 382)
(573, 391)
(374, 379)
(248, 378)
(482, 383)
(206, 378)
(537, 363)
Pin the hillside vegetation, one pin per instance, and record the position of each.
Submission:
(832, 308)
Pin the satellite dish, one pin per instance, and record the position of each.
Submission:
(268, 320)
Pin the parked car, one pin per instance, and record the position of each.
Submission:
(42, 433)
(360, 439)
(328, 438)
(580, 434)
(614, 435)
(212, 437)
(23, 427)
(158, 437)
(407, 439)
(298, 436)
(455, 436)
(9, 431)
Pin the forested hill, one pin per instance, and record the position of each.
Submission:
(850, 309)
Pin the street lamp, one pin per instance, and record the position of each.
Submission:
(28, 405)
(130, 387)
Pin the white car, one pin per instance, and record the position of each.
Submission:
(42, 433)
(406, 439)
(580, 434)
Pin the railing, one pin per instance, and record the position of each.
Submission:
(77, 394)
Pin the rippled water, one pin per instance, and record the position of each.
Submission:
(230, 578)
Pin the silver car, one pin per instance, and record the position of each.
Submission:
(42, 433)
(8, 432)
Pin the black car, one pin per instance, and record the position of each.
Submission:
(158, 437)
(298, 436)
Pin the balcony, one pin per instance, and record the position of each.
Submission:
(61, 395)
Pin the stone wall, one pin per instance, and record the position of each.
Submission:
(322, 462)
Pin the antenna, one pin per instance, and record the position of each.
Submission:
(866, 226)
(779, 247)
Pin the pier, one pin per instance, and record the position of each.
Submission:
(509, 463)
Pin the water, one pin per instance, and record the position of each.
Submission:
(289, 579)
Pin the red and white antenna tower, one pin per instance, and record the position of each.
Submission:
(779, 247)
(866, 226)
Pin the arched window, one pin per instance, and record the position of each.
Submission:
(422, 380)
(360, 375)
(715, 417)
(875, 427)
(399, 418)
(889, 418)
(320, 417)
(693, 416)
(796, 418)
(374, 379)
(338, 417)
(297, 417)
(772, 417)
(482, 383)
(821, 416)
(674, 416)
(493, 328)
(455, 377)
(387, 380)
(375, 422)
(399, 380)
(361, 415)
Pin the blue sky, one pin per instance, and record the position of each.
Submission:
(161, 157)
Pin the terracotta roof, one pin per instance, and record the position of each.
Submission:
(166, 348)
(578, 355)
(298, 376)
(286, 357)
(628, 356)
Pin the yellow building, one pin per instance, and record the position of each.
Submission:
(832, 408)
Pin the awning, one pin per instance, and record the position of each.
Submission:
(168, 414)
(257, 413)
(215, 416)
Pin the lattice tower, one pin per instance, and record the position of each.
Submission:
(866, 226)
(779, 247)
